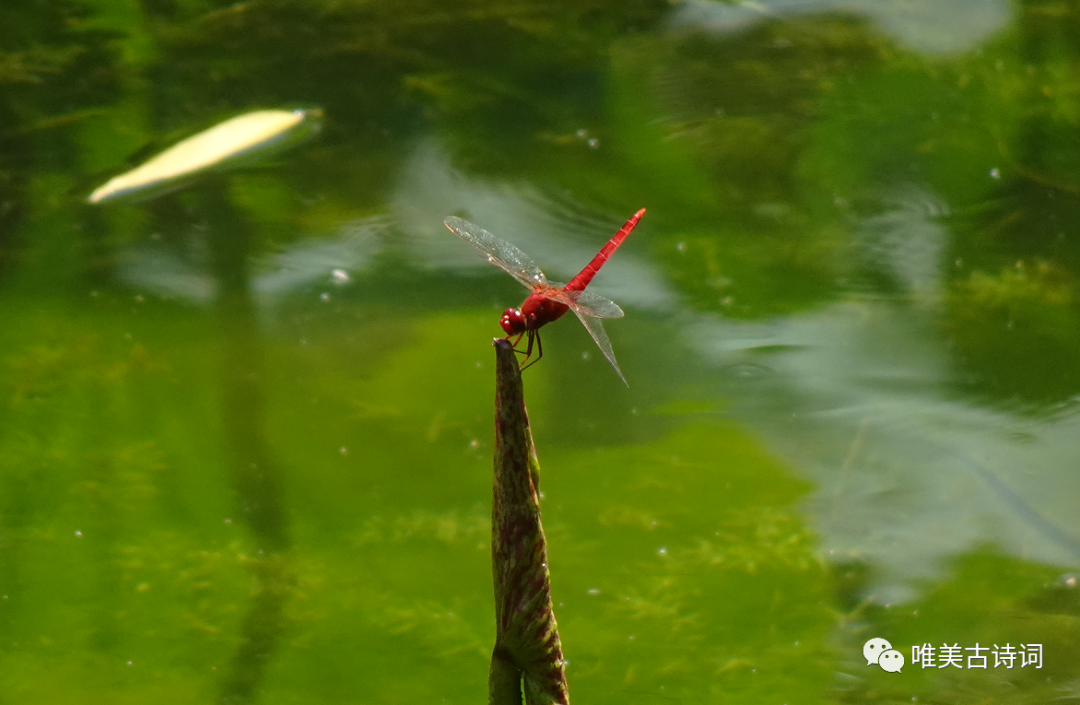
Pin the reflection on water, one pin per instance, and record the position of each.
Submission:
(924, 25)
(860, 396)
(907, 474)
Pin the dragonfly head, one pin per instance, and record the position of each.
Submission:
(512, 322)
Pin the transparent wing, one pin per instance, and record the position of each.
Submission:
(499, 252)
(596, 330)
(590, 304)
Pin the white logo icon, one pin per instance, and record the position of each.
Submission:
(881, 652)
(873, 649)
(891, 661)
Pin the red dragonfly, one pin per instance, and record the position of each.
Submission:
(548, 301)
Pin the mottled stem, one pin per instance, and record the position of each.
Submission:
(527, 647)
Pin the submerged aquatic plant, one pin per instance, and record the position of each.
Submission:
(527, 647)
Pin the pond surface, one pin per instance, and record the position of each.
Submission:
(246, 426)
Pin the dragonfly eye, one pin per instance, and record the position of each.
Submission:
(512, 322)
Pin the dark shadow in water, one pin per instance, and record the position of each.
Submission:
(261, 630)
(256, 476)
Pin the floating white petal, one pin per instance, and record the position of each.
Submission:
(241, 136)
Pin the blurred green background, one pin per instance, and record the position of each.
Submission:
(245, 427)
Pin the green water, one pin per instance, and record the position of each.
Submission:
(246, 427)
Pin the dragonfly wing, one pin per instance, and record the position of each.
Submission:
(590, 304)
(596, 330)
(499, 252)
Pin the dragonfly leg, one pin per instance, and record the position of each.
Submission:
(515, 342)
(539, 349)
(528, 348)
